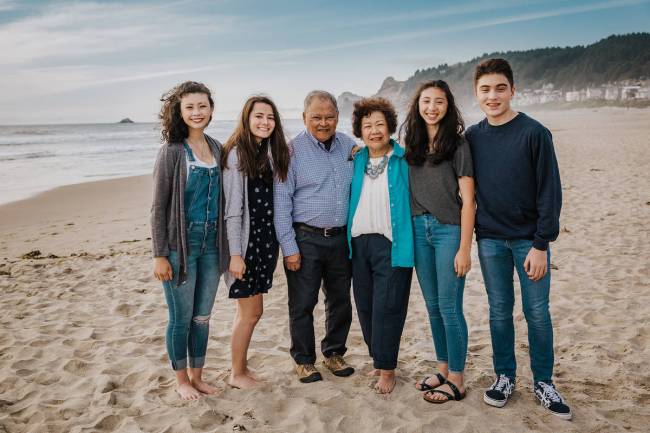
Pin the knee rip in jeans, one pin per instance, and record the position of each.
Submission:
(201, 320)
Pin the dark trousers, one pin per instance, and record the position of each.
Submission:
(381, 293)
(323, 259)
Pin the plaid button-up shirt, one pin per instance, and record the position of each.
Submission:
(317, 190)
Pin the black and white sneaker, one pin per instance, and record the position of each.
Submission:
(552, 400)
(497, 395)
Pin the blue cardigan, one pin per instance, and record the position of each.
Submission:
(400, 211)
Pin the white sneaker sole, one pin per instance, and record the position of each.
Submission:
(495, 403)
(564, 416)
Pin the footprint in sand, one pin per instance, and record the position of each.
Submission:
(77, 367)
(126, 310)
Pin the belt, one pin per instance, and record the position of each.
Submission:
(328, 232)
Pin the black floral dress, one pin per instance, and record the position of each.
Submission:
(262, 251)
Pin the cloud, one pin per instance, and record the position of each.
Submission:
(61, 32)
(437, 12)
(392, 37)
(7, 5)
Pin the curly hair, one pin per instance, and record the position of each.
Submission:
(253, 160)
(172, 126)
(366, 106)
(414, 129)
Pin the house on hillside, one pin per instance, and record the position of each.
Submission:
(630, 92)
(595, 93)
(611, 92)
(573, 96)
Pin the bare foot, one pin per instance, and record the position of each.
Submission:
(253, 375)
(374, 372)
(203, 387)
(386, 382)
(188, 392)
(242, 381)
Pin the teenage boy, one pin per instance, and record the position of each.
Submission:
(518, 196)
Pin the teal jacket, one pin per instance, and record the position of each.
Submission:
(400, 211)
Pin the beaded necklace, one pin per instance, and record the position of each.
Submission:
(373, 171)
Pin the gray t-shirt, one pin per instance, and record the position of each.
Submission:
(434, 188)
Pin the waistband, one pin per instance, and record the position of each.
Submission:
(207, 224)
(327, 232)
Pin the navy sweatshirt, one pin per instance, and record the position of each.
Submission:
(518, 191)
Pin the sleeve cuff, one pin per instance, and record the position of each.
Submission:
(290, 248)
(540, 244)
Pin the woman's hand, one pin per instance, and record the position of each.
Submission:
(162, 269)
(237, 267)
(462, 262)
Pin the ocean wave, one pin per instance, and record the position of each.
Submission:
(31, 155)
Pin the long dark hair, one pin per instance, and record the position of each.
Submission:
(253, 160)
(414, 129)
(172, 126)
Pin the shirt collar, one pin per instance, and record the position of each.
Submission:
(315, 142)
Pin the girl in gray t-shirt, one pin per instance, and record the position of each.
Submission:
(443, 208)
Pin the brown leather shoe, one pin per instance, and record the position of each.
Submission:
(337, 365)
(307, 373)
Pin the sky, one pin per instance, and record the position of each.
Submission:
(101, 61)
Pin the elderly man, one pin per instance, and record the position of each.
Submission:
(311, 210)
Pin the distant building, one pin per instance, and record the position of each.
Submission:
(611, 93)
(572, 96)
(594, 93)
(630, 92)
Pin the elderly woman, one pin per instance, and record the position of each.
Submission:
(380, 235)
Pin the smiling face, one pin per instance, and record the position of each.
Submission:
(433, 105)
(493, 94)
(261, 121)
(196, 110)
(374, 133)
(320, 119)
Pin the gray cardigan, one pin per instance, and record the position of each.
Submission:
(236, 213)
(236, 216)
(168, 226)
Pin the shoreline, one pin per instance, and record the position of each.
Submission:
(81, 216)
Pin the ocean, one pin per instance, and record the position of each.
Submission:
(37, 158)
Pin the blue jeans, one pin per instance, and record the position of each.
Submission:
(498, 259)
(436, 246)
(190, 303)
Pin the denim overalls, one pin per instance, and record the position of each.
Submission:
(190, 302)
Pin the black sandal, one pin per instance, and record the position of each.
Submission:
(424, 386)
(456, 397)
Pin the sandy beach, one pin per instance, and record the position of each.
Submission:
(82, 322)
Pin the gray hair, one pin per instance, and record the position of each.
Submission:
(320, 94)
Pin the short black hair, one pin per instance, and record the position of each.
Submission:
(494, 66)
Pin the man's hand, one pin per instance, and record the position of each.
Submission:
(237, 267)
(535, 264)
(292, 262)
(353, 152)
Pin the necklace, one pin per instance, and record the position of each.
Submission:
(373, 171)
(201, 150)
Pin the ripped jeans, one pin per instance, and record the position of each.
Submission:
(190, 304)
